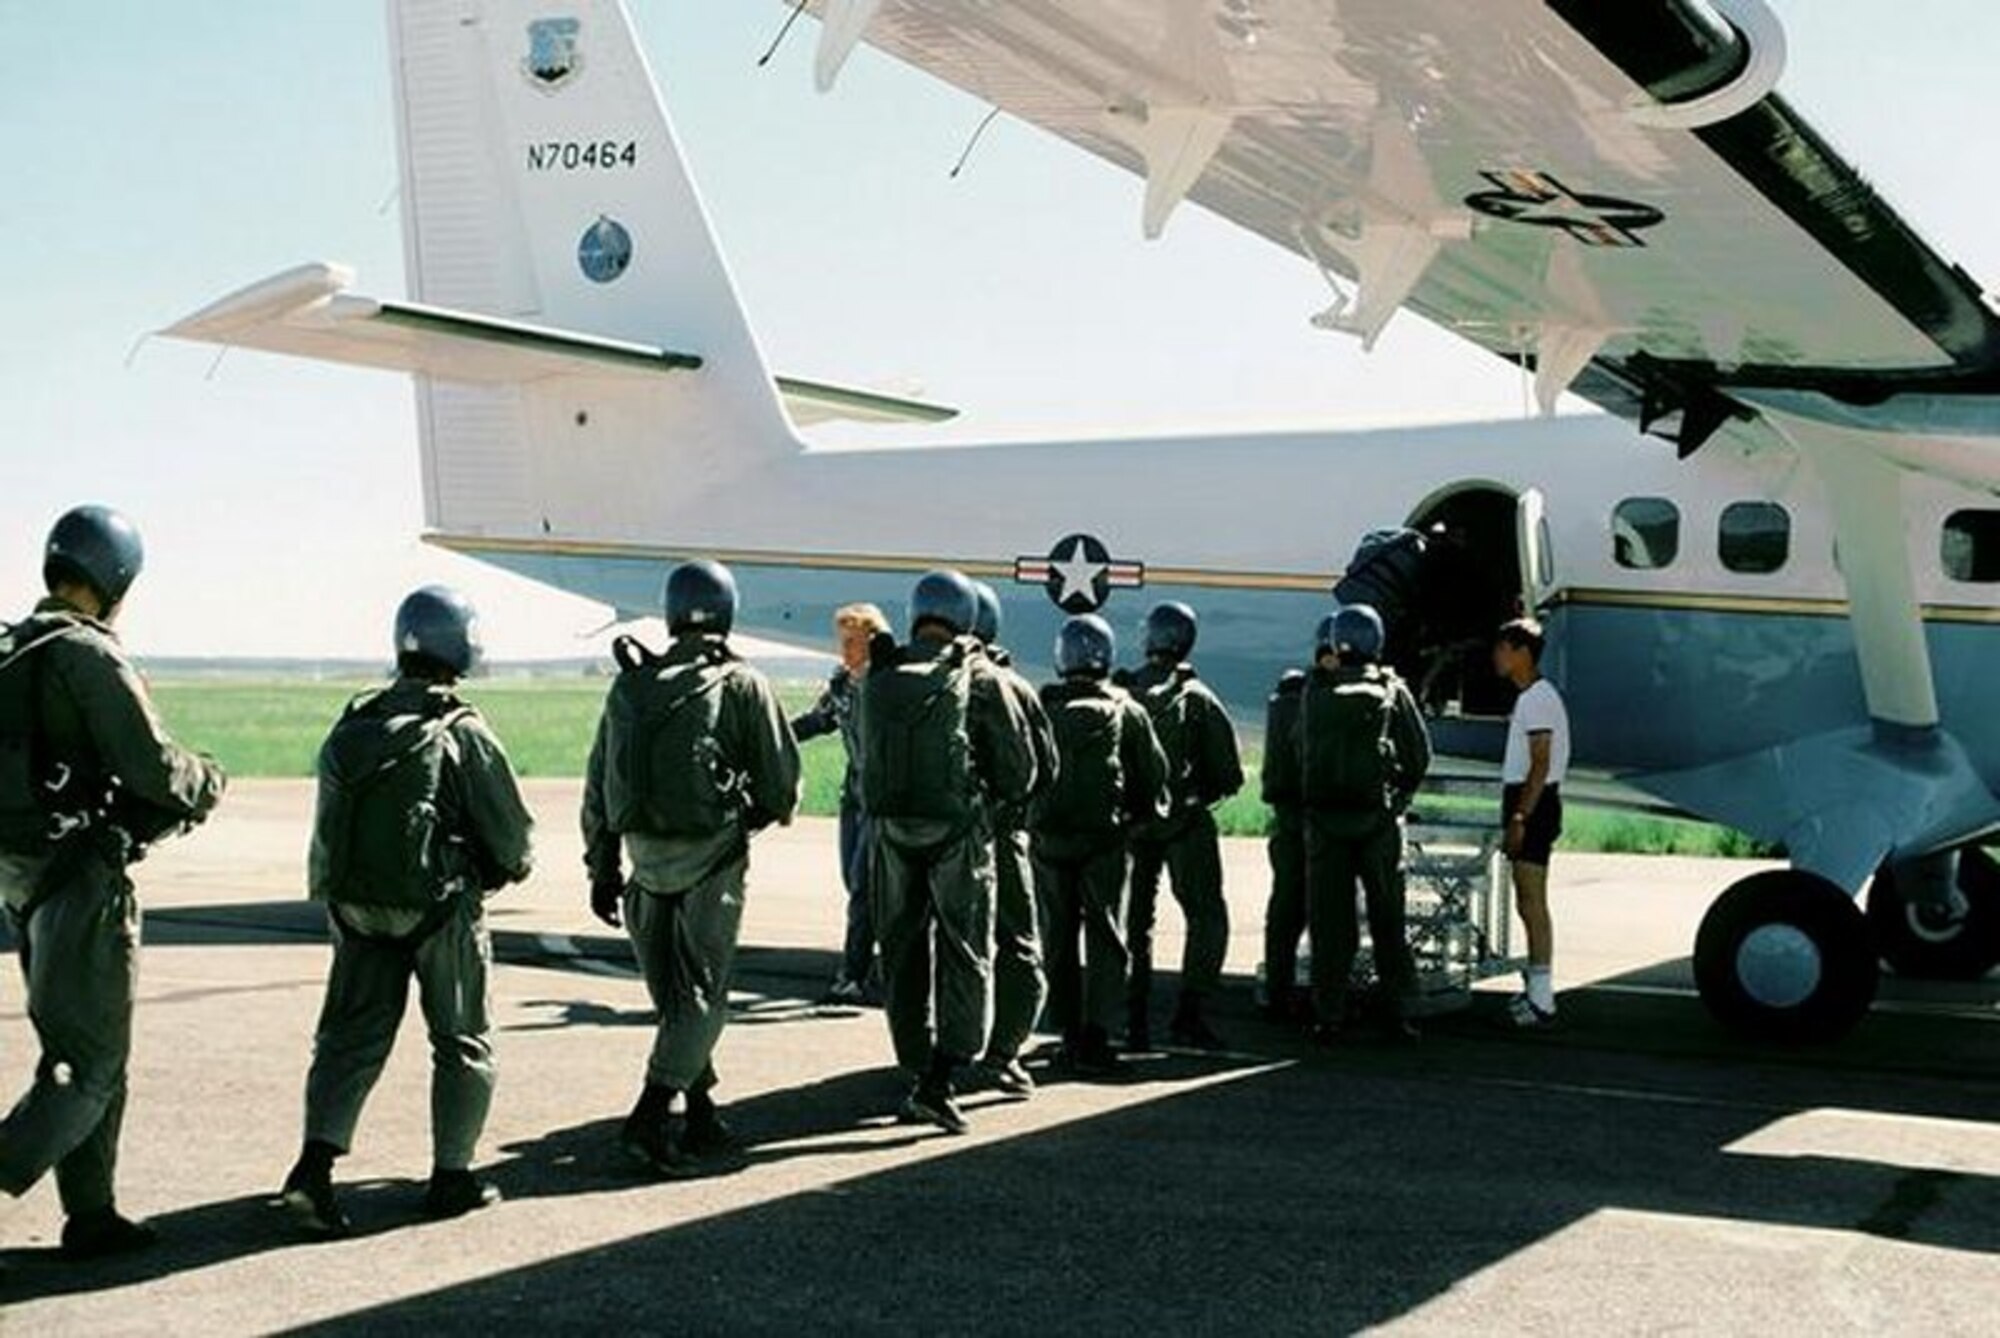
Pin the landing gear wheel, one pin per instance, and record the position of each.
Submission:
(1928, 943)
(1786, 956)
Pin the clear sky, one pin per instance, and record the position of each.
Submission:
(158, 153)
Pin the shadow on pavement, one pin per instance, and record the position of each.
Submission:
(1327, 1194)
(206, 1236)
(254, 924)
(1634, 1013)
(1319, 1197)
(829, 1114)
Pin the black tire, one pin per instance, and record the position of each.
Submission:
(1917, 946)
(1786, 956)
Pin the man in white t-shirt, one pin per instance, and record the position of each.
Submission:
(1531, 776)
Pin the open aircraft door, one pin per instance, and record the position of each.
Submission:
(1538, 560)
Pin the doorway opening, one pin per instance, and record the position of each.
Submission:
(1473, 583)
(1443, 583)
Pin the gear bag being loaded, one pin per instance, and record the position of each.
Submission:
(914, 718)
(1346, 760)
(665, 774)
(1088, 797)
(379, 837)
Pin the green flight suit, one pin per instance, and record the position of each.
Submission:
(379, 949)
(933, 881)
(1205, 767)
(1285, 844)
(1362, 842)
(73, 910)
(1080, 866)
(1020, 982)
(683, 904)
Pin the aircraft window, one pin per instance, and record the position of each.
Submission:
(1756, 537)
(1971, 549)
(1645, 533)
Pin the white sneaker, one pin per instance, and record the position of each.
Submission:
(1526, 1015)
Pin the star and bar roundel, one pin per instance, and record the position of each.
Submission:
(1079, 573)
(1540, 200)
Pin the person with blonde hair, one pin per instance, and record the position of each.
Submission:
(855, 626)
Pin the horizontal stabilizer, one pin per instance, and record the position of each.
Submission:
(810, 402)
(309, 312)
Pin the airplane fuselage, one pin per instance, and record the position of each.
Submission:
(1671, 659)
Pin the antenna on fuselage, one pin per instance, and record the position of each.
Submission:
(973, 143)
(783, 32)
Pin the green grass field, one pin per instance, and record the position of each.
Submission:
(274, 730)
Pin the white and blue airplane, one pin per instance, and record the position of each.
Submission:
(1783, 618)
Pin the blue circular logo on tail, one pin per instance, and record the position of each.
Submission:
(605, 251)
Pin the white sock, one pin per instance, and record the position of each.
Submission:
(1542, 988)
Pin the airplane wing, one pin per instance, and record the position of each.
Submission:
(1608, 193)
(310, 312)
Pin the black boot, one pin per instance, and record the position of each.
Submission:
(706, 1134)
(1008, 1074)
(103, 1233)
(650, 1138)
(1139, 1004)
(1138, 1030)
(1190, 1029)
(456, 1193)
(1095, 1059)
(932, 1100)
(308, 1192)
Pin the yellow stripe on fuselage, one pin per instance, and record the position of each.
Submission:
(1307, 582)
(1758, 605)
(1206, 578)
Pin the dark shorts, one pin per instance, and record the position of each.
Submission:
(1545, 824)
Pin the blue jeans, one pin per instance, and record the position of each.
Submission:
(857, 841)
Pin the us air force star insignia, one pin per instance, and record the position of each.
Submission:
(1079, 573)
(552, 59)
(1540, 201)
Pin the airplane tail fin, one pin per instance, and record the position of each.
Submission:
(542, 184)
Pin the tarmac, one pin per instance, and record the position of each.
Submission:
(1637, 1170)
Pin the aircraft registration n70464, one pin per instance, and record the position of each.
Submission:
(605, 155)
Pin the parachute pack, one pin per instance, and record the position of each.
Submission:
(29, 786)
(1346, 759)
(916, 739)
(1088, 797)
(378, 832)
(665, 773)
(1170, 705)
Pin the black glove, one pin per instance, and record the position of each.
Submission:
(607, 896)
